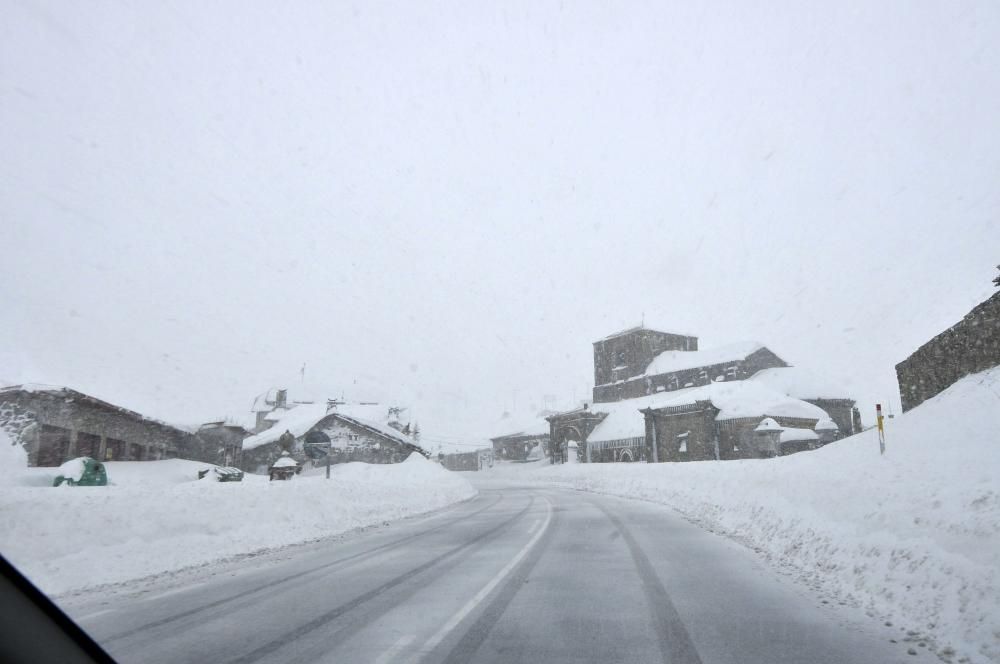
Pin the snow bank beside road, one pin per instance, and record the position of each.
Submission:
(913, 536)
(160, 518)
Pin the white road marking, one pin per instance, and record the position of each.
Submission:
(395, 649)
(453, 622)
(534, 525)
(94, 615)
(173, 591)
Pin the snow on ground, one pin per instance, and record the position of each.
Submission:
(157, 517)
(913, 537)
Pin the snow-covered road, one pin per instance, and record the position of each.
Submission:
(520, 573)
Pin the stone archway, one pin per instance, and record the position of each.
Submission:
(564, 435)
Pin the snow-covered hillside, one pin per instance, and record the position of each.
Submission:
(913, 537)
(157, 517)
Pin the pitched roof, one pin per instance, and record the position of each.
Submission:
(301, 418)
(59, 390)
(298, 421)
(734, 400)
(679, 360)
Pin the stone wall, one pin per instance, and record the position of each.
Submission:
(628, 354)
(691, 432)
(683, 433)
(516, 448)
(463, 461)
(737, 438)
(67, 424)
(677, 380)
(970, 346)
(222, 444)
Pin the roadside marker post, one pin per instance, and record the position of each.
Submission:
(881, 428)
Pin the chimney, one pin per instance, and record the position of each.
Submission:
(281, 399)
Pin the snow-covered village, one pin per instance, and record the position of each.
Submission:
(525, 333)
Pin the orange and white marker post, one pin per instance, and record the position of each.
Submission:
(881, 428)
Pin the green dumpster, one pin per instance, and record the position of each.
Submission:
(223, 473)
(82, 471)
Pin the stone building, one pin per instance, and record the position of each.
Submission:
(724, 422)
(468, 461)
(518, 436)
(697, 403)
(358, 432)
(222, 442)
(56, 424)
(646, 367)
(970, 346)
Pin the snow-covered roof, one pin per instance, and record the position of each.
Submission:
(300, 418)
(793, 434)
(298, 421)
(734, 399)
(33, 387)
(381, 427)
(768, 424)
(266, 400)
(529, 424)
(285, 461)
(826, 425)
(680, 360)
(800, 383)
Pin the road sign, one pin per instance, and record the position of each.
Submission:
(317, 445)
(316, 451)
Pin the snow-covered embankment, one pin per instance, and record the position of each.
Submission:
(913, 537)
(157, 517)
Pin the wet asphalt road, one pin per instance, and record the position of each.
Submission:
(518, 574)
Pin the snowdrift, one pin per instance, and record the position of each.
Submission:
(157, 517)
(913, 537)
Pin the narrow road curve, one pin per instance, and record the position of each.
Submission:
(520, 573)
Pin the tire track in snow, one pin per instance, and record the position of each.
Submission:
(278, 582)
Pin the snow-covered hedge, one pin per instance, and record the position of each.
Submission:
(913, 536)
(156, 516)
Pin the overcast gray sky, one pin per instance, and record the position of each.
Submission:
(445, 204)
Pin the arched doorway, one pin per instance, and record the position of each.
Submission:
(561, 447)
(626, 455)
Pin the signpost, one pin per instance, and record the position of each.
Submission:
(316, 447)
(881, 428)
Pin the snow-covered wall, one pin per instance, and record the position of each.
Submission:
(157, 517)
(912, 536)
